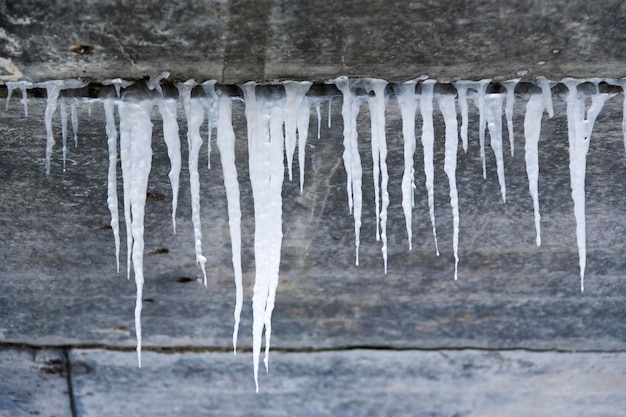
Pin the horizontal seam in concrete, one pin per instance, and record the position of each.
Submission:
(346, 348)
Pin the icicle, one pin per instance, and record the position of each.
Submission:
(265, 118)
(64, 131)
(126, 134)
(579, 134)
(168, 111)
(10, 88)
(195, 116)
(135, 122)
(226, 146)
(53, 88)
(461, 88)
(428, 140)
(304, 116)
(532, 131)
(319, 118)
(24, 85)
(479, 101)
(351, 157)
(154, 82)
(448, 110)
(510, 101)
(112, 176)
(379, 145)
(622, 83)
(118, 83)
(330, 112)
(294, 93)
(209, 88)
(74, 117)
(547, 95)
(405, 95)
(493, 109)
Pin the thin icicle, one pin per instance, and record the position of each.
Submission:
(11, 85)
(135, 121)
(154, 82)
(74, 118)
(479, 101)
(461, 88)
(265, 118)
(319, 118)
(304, 116)
(493, 108)
(64, 131)
(112, 176)
(377, 106)
(330, 112)
(351, 157)
(294, 93)
(211, 105)
(24, 85)
(448, 110)
(428, 140)
(510, 101)
(226, 146)
(579, 129)
(547, 95)
(195, 116)
(168, 111)
(405, 95)
(126, 134)
(53, 89)
(532, 131)
(118, 84)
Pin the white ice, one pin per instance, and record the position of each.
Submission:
(118, 84)
(377, 105)
(265, 116)
(510, 102)
(479, 101)
(111, 130)
(448, 110)
(579, 128)
(407, 101)
(135, 124)
(461, 88)
(194, 111)
(351, 156)
(493, 109)
(428, 140)
(294, 95)
(168, 110)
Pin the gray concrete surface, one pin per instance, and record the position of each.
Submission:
(236, 41)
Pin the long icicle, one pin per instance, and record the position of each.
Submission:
(448, 110)
(428, 140)
(510, 102)
(168, 110)
(112, 202)
(532, 131)
(405, 95)
(493, 108)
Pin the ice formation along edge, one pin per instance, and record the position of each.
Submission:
(278, 122)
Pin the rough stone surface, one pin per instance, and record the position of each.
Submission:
(236, 41)
(352, 383)
(33, 382)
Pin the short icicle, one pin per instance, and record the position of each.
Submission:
(448, 110)
(461, 88)
(407, 101)
(510, 102)
(74, 118)
(493, 109)
(304, 117)
(579, 130)
(24, 85)
(135, 120)
(377, 106)
(319, 117)
(532, 131)
(64, 130)
(211, 108)
(295, 93)
(265, 116)
(112, 202)
(479, 101)
(194, 112)
(351, 157)
(168, 108)
(53, 89)
(428, 140)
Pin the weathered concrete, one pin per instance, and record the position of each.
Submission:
(352, 383)
(236, 41)
(34, 382)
